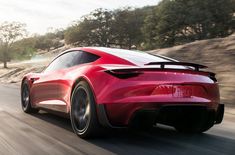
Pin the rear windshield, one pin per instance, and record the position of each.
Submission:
(140, 58)
(136, 57)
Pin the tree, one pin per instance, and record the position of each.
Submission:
(70, 35)
(25, 48)
(93, 30)
(149, 29)
(181, 21)
(44, 42)
(9, 34)
(121, 27)
(127, 27)
(49, 40)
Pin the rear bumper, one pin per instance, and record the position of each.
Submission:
(123, 115)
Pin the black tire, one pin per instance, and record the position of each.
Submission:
(25, 99)
(83, 111)
(202, 124)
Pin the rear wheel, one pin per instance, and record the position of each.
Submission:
(25, 99)
(83, 112)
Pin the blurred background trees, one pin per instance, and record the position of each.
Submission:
(9, 34)
(170, 23)
(106, 28)
(181, 21)
(93, 29)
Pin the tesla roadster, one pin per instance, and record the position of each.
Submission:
(105, 87)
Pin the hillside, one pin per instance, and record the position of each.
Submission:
(217, 54)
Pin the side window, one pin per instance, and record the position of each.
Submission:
(88, 57)
(81, 57)
(76, 58)
(64, 61)
(55, 65)
(70, 59)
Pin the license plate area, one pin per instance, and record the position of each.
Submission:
(182, 91)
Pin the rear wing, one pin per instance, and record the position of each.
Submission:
(172, 63)
(127, 71)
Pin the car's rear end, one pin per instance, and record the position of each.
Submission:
(168, 92)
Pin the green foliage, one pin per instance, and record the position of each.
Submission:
(43, 43)
(149, 29)
(127, 27)
(9, 34)
(49, 40)
(171, 22)
(5, 54)
(93, 30)
(73, 34)
(181, 21)
(101, 27)
(24, 48)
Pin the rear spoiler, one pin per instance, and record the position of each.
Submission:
(126, 71)
(172, 63)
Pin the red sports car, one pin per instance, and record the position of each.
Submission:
(105, 87)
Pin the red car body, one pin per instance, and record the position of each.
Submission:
(124, 86)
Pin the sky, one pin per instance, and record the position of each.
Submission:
(41, 15)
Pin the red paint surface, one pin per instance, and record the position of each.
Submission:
(122, 97)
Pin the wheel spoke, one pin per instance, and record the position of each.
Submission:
(76, 115)
(87, 111)
(27, 99)
(81, 110)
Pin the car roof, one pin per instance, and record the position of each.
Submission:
(133, 56)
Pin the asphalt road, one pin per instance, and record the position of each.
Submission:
(44, 133)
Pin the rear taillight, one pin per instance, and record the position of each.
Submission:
(178, 91)
(124, 74)
(163, 90)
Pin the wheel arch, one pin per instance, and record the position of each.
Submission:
(22, 81)
(85, 79)
(27, 78)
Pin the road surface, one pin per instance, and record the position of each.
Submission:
(44, 133)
